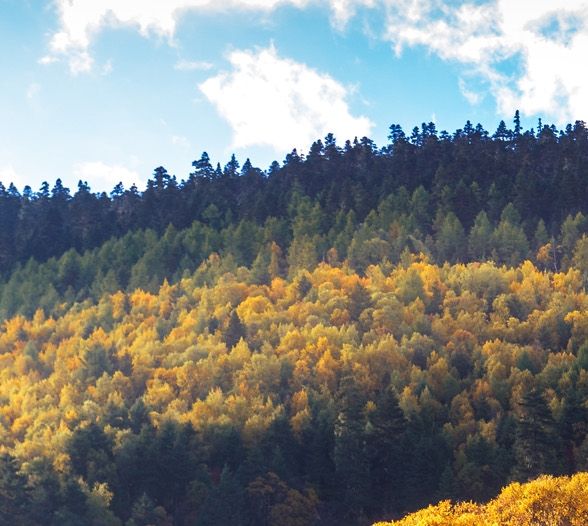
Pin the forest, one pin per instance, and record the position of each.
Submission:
(349, 337)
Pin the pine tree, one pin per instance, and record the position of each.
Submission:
(225, 503)
(14, 497)
(536, 445)
(234, 331)
(350, 454)
(387, 470)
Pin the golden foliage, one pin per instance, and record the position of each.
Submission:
(456, 343)
(546, 501)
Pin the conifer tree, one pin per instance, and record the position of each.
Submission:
(536, 445)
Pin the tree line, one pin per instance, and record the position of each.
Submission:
(541, 172)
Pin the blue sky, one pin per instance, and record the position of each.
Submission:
(107, 90)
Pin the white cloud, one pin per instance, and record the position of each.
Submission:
(344, 10)
(183, 142)
(187, 65)
(106, 177)
(33, 90)
(473, 97)
(272, 101)
(547, 41)
(107, 68)
(48, 59)
(9, 175)
(81, 20)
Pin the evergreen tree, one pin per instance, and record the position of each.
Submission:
(479, 238)
(451, 239)
(536, 446)
(350, 454)
(225, 503)
(14, 494)
(388, 468)
(234, 331)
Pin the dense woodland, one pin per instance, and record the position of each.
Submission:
(430, 187)
(353, 335)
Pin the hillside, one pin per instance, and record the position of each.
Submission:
(371, 395)
(349, 336)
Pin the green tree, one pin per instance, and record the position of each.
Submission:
(580, 257)
(479, 238)
(225, 503)
(387, 470)
(359, 299)
(451, 239)
(14, 494)
(509, 242)
(535, 444)
(143, 512)
(234, 331)
(350, 453)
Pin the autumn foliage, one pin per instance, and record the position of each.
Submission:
(353, 397)
(544, 501)
(355, 335)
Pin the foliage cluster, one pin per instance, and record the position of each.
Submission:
(221, 400)
(547, 500)
(284, 247)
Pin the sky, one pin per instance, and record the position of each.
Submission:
(105, 91)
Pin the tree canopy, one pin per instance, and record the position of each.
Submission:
(354, 335)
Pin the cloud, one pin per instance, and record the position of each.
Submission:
(272, 101)
(33, 90)
(180, 141)
(80, 21)
(187, 65)
(9, 175)
(344, 10)
(473, 97)
(106, 177)
(107, 68)
(48, 59)
(544, 41)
